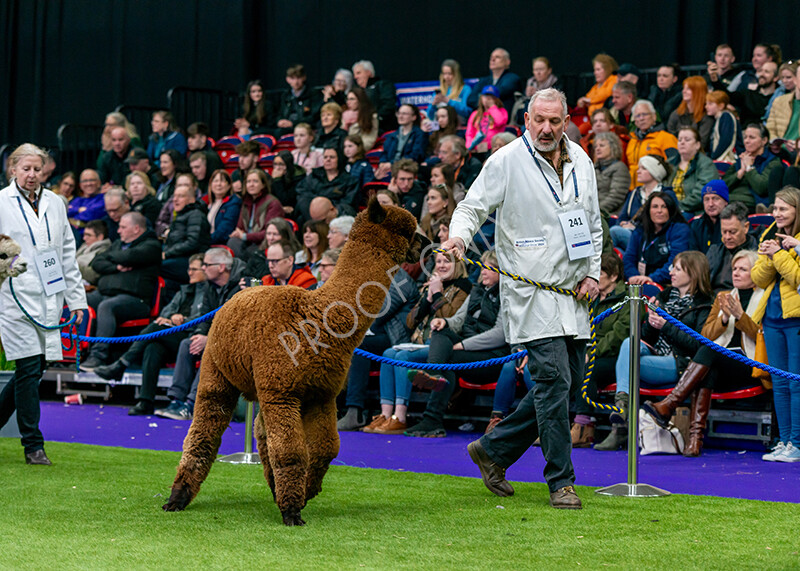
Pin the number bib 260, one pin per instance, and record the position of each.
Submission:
(50, 272)
(575, 225)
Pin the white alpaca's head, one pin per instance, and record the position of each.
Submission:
(11, 262)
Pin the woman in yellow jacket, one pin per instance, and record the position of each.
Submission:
(777, 271)
(604, 70)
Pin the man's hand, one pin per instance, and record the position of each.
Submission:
(177, 319)
(163, 321)
(520, 366)
(588, 288)
(458, 346)
(198, 344)
(78, 315)
(640, 280)
(121, 268)
(454, 246)
(383, 170)
(284, 124)
(437, 324)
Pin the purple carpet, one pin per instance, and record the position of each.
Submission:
(733, 474)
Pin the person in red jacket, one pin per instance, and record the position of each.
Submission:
(282, 271)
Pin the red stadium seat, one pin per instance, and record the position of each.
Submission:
(285, 143)
(371, 188)
(374, 156)
(467, 385)
(70, 355)
(267, 141)
(747, 393)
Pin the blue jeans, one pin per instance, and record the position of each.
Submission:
(395, 388)
(507, 387)
(655, 370)
(620, 237)
(783, 352)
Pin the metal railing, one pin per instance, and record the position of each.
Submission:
(78, 146)
(216, 108)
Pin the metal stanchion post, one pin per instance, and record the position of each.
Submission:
(248, 456)
(633, 489)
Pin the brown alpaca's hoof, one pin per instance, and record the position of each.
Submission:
(291, 517)
(178, 500)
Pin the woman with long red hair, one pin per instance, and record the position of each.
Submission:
(692, 110)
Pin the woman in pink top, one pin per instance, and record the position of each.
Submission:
(304, 155)
(489, 119)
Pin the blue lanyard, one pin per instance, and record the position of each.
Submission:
(25, 216)
(550, 186)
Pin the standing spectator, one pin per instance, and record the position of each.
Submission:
(116, 205)
(721, 69)
(692, 110)
(304, 155)
(380, 91)
(360, 117)
(506, 82)
(330, 134)
(705, 228)
(453, 151)
(357, 166)
(34, 218)
(258, 206)
(726, 135)
(89, 205)
(257, 111)
(647, 138)
(613, 178)
(299, 104)
(166, 135)
(189, 232)
(693, 169)
(666, 94)
(748, 177)
(735, 228)
(143, 197)
(452, 91)
(223, 207)
(605, 76)
(407, 142)
(113, 167)
(489, 119)
(95, 241)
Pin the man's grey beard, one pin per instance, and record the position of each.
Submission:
(546, 148)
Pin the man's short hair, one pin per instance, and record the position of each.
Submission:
(549, 94)
(117, 192)
(198, 156)
(137, 219)
(296, 70)
(342, 224)
(287, 248)
(736, 210)
(199, 257)
(625, 87)
(219, 256)
(459, 145)
(643, 103)
(99, 227)
(406, 165)
(248, 148)
(366, 64)
(198, 129)
(725, 47)
(504, 52)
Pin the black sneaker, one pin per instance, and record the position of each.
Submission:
(142, 408)
(112, 372)
(90, 364)
(427, 429)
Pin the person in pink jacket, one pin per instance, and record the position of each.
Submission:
(489, 119)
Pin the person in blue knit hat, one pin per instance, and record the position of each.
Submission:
(705, 229)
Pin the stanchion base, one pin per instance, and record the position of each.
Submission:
(241, 458)
(632, 491)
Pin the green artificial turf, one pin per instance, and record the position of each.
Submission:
(100, 508)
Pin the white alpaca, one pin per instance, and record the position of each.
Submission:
(12, 263)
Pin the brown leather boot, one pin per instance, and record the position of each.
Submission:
(662, 410)
(701, 403)
(582, 435)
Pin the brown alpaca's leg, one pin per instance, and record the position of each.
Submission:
(319, 422)
(263, 452)
(288, 454)
(216, 400)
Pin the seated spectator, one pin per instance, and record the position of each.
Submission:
(445, 291)
(166, 136)
(605, 76)
(339, 231)
(278, 229)
(613, 178)
(784, 119)
(652, 172)
(189, 232)
(726, 135)
(198, 140)
(222, 274)
(693, 169)
(647, 138)
(453, 151)
(730, 323)
(223, 206)
(610, 334)
(360, 118)
(506, 389)
(321, 208)
(501, 140)
(721, 69)
(387, 330)
(248, 152)
(445, 122)
(138, 161)
(258, 113)
(623, 96)
(283, 270)
(340, 86)
(142, 197)
(603, 122)
(113, 166)
(506, 82)
(407, 142)
(762, 55)
(752, 103)
(662, 235)
(357, 166)
(748, 177)
(330, 181)
(666, 94)
(692, 110)
(330, 134)
(409, 191)
(705, 228)
(452, 92)
(735, 228)
(299, 104)
(171, 164)
(665, 349)
(442, 173)
(167, 213)
(473, 333)
(285, 176)
(67, 187)
(154, 354)
(787, 75)
(95, 241)
(89, 206)
(117, 119)
(440, 203)
(128, 277)
(304, 155)
(258, 206)
(315, 242)
(198, 163)
(542, 78)
(326, 266)
(386, 197)
(116, 205)
(489, 119)
(381, 93)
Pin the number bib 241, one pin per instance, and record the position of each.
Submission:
(575, 225)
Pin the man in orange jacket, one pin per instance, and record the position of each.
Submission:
(280, 261)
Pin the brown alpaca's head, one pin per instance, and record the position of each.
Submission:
(389, 228)
(11, 263)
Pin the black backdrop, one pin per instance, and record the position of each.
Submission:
(74, 60)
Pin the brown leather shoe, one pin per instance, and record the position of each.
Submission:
(494, 476)
(565, 499)
(377, 421)
(38, 457)
(391, 426)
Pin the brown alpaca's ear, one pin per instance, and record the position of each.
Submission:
(375, 212)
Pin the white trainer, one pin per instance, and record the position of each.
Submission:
(777, 451)
(790, 454)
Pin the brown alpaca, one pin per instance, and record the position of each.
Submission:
(291, 349)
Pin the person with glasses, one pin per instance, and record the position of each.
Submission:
(90, 205)
(339, 230)
(326, 266)
(282, 269)
(407, 142)
(116, 202)
(648, 137)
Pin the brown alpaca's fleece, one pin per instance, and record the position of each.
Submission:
(290, 349)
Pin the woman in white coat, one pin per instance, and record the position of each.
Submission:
(37, 220)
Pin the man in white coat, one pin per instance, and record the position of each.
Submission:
(37, 220)
(548, 229)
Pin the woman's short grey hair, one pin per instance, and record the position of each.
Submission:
(643, 103)
(366, 64)
(342, 224)
(348, 77)
(751, 255)
(26, 150)
(505, 136)
(549, 94)
(613, 141)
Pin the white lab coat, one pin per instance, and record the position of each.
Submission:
(20, 337)
(529, 238)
